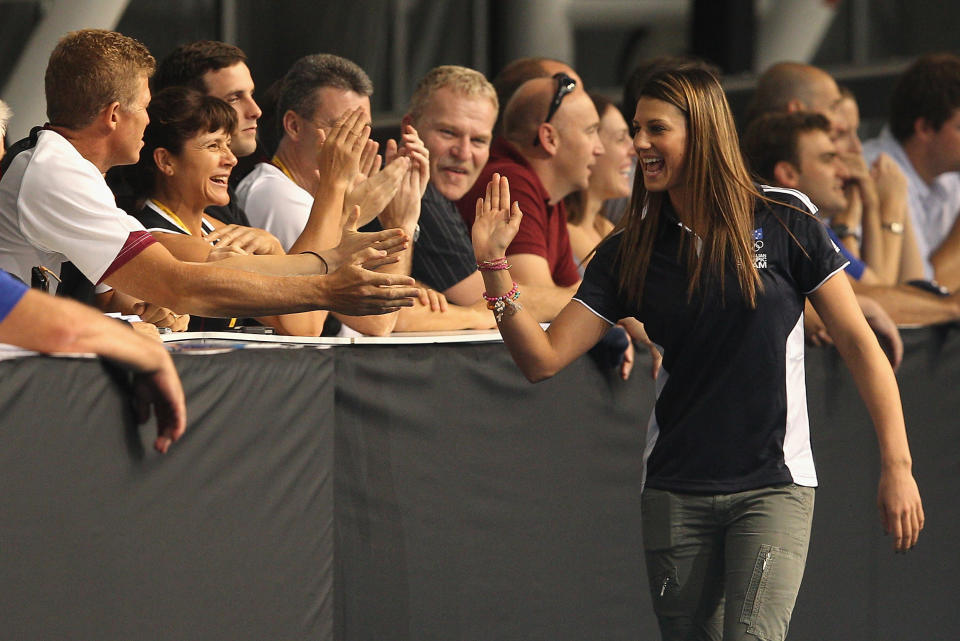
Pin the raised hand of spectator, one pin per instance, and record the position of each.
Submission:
(250, 240)
(497, 221)
(340, 151)
(859, 175)
(889, 178)
(415, 149)
(372, 194)
(372, 250)
(403, 211)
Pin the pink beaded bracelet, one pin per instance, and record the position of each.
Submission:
(511, 294)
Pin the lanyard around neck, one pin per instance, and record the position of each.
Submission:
(173, 217)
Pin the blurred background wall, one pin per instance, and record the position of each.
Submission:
(865, 43)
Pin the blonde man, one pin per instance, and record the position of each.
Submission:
(454, 109)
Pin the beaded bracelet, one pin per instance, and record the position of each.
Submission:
(510, 294)
(505, 303)
(495, 265)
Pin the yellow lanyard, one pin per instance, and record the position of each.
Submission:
(179, 223)
(169, 212)
(276, 162)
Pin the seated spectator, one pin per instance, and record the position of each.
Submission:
(184, 168)
(216, 69)
(876, 205)
(42, 323)
(794, 150)
(281, 195)
(549, 146)
(454, 109)
(55, 205)
(611, 178)
(519, 71)
(921, 138)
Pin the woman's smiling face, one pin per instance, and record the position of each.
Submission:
(203, 166)
(612, 173)
(660, 140)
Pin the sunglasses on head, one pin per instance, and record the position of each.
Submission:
(565, 85)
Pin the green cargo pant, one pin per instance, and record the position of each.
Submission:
(726, 566)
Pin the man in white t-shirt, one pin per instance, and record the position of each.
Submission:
(923, 137)
(282, 196)
(55, 205)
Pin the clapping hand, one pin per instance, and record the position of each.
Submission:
(404, 210)
(343, 150)
(369, 249)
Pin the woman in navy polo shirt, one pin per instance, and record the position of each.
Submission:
(717, 271)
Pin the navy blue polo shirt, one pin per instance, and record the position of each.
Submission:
(731, 400)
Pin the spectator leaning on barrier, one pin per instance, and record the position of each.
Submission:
(281, 195)
(185, 166)
(43, 323)
(454, 110)
(795, 151)
(55, 205)
(875, 204)
(220, 70)
(923, 137)
(887, 241)
(611, 178)
(519, 71)
(549, 145)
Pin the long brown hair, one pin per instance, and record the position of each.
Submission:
(718, 200)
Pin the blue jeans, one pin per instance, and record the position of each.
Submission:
(726, 566)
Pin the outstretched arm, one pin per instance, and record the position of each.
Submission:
(539, 354)
(47, 324)
(901, 510)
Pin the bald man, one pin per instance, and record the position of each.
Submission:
(549, 146)
(794, 86)
(521, 70)
(875, 215)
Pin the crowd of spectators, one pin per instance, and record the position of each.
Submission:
(133, 186)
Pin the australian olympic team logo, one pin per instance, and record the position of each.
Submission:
(759, 259)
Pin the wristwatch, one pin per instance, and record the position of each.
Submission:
(893, 228)
(842, 231)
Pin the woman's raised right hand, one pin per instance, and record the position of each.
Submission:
(497, 221)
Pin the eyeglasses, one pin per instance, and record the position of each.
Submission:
(565, 85)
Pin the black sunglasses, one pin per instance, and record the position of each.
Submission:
(565, 85)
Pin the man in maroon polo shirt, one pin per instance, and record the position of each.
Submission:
(547, 150)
